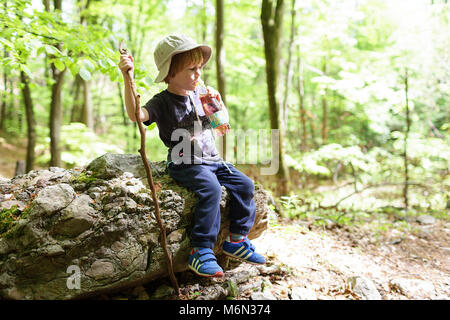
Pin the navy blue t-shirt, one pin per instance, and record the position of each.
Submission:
(194, 142)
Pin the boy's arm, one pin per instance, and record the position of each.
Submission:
(125, 65)
(131, 105)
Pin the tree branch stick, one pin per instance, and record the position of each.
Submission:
(150, 178)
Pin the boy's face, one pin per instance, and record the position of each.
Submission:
(186, 79)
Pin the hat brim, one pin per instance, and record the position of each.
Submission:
(164, 70)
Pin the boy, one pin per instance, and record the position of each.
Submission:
(179, 115)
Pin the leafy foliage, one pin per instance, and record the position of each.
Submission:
(353, 55)
(81, 146)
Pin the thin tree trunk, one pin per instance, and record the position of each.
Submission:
(46, 5)
(57, 4)
(5, 82)
(20, 168)
(284, 113)
(56, 117)
(88, 115)
(324, 110)
(312, 124)
(4, 97)
(272, 25)
(301, 98)
(405, 151)
(11, 112)
(56, 107)
(31, 121)
(220, 59)
(75, 115)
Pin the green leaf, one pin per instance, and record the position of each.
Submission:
(40, 51)
(88, 64)
(25, 69)
(74, 69)
(7, 61)
(59, 65)
(111, 63)
(233, 288)
(114, 74)
(102, 64)
(52, 50)
(85, 74)
(152, 126)
(6, 43)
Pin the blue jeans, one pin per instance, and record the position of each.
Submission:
(205, 180)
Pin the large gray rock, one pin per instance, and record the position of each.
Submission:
(82, 232)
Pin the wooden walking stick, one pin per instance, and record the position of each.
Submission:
(149, 174)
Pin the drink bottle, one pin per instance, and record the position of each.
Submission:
(214, 109)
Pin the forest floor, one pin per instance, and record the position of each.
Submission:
(411, 262)
(323, 260)
(310, 262)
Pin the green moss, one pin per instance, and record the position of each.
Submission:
(7, 219)
(25, 212)
(84, 178)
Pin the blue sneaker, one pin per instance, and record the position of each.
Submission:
(204, 263)
(243, 250)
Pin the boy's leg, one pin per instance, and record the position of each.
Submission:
(242, 214)
(203, 182)
(241, 190)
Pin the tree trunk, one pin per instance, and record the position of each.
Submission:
(272, 23)
(324, 110)
(20, 168)
(220, 59)
(88, 116)
(11, 111)
(284, 113)
(75, 115)
(31, 121)
(4, 98)
(5, 84)
(312, 123)
(56, 117)
(301, 98)
(405, 151)
(56, 107)
(46, 5)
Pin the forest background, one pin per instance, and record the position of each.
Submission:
(358, 89)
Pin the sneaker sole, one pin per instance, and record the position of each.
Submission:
(243, 260)
(218, 274)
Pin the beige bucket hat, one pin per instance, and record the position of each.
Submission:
(170, 46)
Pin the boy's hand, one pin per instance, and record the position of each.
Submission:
(126, 63)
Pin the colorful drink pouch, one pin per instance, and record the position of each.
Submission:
(215, 110)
